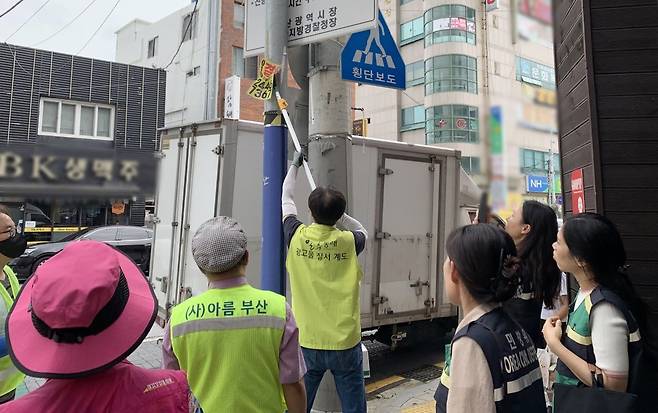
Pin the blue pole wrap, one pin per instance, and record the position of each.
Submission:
(274, 169)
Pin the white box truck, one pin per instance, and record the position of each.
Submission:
(409, 197)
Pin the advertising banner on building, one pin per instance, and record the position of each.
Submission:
(497, 157)
(538, 118)
(232, 98)
(539, 184)
(534, 21)
(58, 171)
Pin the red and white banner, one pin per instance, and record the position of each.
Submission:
(577, 192)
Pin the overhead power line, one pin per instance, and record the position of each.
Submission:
(182, 40)
(27, 21)
(66, 25)
(11, 8)
(59, 69)
(99, 27)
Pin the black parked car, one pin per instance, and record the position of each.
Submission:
(133, 241)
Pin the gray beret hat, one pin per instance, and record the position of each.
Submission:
(218, 245)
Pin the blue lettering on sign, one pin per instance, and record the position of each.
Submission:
(537, 183)
(372, 57)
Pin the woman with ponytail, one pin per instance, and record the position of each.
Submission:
(491, 364)
(542, 290)
(605, 322)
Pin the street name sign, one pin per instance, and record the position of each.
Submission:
(372, 57)
(309, 21)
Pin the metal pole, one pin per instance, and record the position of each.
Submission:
(551, 176)
(329, 151)
(330, 113)
(274, 156)
(212, 61)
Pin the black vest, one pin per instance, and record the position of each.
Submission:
(512, 359)
(525, 309)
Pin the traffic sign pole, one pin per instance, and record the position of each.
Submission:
(329, 147)
(274, 157)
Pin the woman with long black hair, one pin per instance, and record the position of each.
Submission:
(607, 316)
(533, 227)
(492, 364)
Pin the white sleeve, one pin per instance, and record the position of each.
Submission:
(610, 339)
(288, 206)
(347, 223)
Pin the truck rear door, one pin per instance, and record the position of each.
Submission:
(407, 236)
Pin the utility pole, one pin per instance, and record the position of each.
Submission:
(329, 151)
(551, 177)
(329, 123)
(274, 156)
(299, 67)
(212, 82)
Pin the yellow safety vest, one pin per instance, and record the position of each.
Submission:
(324, 279)
(228, 342)
(10, 376)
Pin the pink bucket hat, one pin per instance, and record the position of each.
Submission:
(83, 311)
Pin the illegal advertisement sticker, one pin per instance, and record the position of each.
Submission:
(263, 87)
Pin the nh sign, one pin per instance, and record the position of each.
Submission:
(309, 21)
(537, 183)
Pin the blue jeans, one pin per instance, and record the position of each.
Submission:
(347, 368)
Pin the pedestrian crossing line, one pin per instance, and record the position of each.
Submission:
(380, 386)
(429, 407)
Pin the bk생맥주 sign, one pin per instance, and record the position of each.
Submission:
(53, 171)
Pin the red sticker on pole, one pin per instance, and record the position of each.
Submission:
(577, 192)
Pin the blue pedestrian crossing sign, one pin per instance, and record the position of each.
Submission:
(372, 57)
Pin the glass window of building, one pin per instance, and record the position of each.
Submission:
(238, 61)
(538, 161)
(471, 164)
(411, 31)
(450, 23)
(451, 123)
(413, 118)
(238, 15)
(152, 47)
(189, 26)
(415, 73)
(455, 72)
(405, 1)
(72, 119)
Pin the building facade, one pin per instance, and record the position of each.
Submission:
(462, 61)
(77, 139)
(607, 76)
(211, 51)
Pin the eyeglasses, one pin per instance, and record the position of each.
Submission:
(11, 231)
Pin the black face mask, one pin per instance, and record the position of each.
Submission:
(13, 247)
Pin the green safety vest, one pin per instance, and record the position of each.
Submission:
(10, 376)
(228, 341)
(578, 338)
(324, 281)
